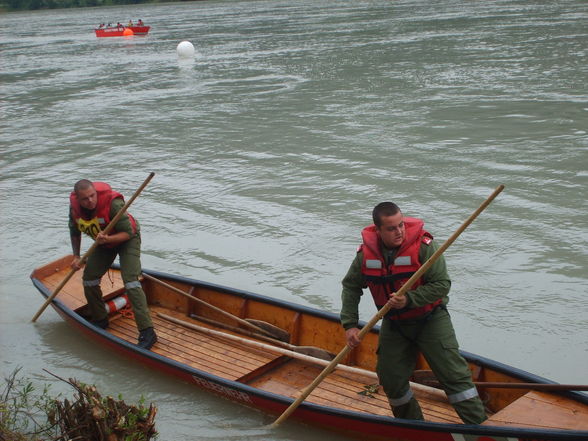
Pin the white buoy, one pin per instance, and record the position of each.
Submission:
(185, 49)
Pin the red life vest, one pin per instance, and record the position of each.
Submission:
(101, 214)
(382, 279)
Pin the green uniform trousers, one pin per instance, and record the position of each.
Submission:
(398, 348)
(99, 262)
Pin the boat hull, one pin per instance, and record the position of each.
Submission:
(355, 424)
(119, 32)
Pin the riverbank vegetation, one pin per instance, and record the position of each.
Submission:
(23, 5)
(30, 415)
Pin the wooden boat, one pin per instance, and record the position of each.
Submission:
(114, 31)
(269, 377)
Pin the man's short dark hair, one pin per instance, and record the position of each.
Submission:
(82, 184)
(384, 209)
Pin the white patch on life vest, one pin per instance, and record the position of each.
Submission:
(402, 260)
(373, 264)
(427, 240)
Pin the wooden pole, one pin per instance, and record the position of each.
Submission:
(214, 308)
(534, 386)
(382, 312)
(107, 230)
(428, 378)
(313, 351)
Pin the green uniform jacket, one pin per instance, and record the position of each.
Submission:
(436, 285)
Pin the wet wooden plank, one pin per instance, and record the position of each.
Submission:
(342, 391)
(338, 390)
(348, 394)
(225, 359)
(53, 267)
(72, 294)
(541, 410)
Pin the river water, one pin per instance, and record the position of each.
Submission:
(272, 146)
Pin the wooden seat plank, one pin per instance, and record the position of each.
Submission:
(241, 350)
(433, 410)
(540, 410)
(236, 362)
(341, 391)
(225, 359)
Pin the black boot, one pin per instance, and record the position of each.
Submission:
(101, 323)
(147, 338)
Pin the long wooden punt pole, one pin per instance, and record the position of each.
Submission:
(275, 332)
(382, 312)
(313, 351)
(107, 230)
(431, 391)
(534, 386)
(428, 377)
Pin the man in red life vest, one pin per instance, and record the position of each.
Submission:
(92, 206)
(393, 249)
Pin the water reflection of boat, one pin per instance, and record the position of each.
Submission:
(197, 347)
(119, 31)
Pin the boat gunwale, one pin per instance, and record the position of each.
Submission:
(123, 27)
(519, 432)
(142, 31)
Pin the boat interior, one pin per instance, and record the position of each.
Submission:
(279, 372)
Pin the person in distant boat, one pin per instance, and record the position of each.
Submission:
(393, 249)
(92, 206)
(119, 25)
(130, 23)
(101, 26)
(140, 23)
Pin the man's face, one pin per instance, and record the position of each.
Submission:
(392, 230)
(88, 198)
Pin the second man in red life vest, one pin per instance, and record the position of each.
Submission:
(393, 249)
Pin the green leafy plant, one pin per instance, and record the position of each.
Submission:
(28, 416)
(23, 411)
